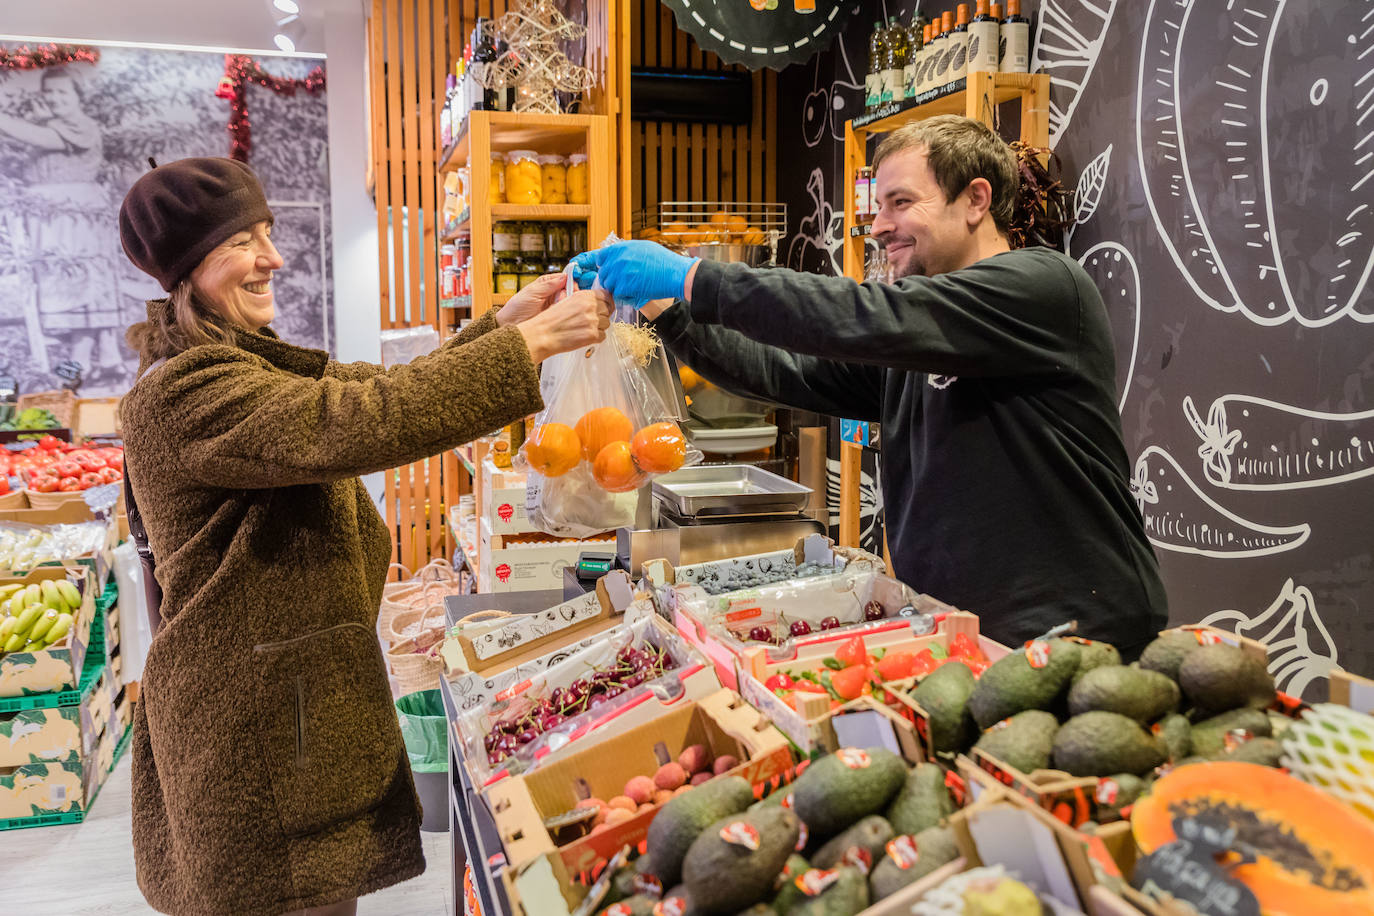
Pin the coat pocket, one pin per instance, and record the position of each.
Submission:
(326, 726)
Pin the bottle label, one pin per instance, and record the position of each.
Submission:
(872, 91)
(940, 74)
(532, 241)
(983, 46)
(892, 85)
(505, 241)
(909, 80)
(1016, 58)
(958, 56)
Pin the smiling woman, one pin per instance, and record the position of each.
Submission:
(235, 279)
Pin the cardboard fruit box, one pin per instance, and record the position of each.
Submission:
(72, 512)
(34, 792)
(542, 875)
(812, 724)
(60, 733)
(529, 562)
(57, 667)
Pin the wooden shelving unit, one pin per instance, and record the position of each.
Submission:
(502, 131)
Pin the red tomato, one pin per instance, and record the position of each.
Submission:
(43, 485)
(780, 681)
(896, 665)
(88, 461)
(963, 646)
(808, 686)
(50, 443)
(90, 479)
(69, 484)
(849, 682)
(67, 468)
(4, 485)
(110, 475)
(115, 459)
(852, 651)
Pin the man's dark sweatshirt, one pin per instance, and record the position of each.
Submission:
(1003, 469)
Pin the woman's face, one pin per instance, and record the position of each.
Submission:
(235, 279)
(59, 93)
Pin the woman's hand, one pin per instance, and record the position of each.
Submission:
(532, 300)
(577, 321)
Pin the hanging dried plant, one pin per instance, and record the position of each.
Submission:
(1044, 206)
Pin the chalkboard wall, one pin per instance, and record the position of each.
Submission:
(1224, 155)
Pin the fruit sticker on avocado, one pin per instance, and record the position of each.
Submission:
(999, 725)
(803, 835)
(853, 758)
(740, 833)
(1107, 791)
(671, 906)
(618, 909)
(814, 882)
(647, 885)
(1038, 653)
(1235, 738)
(858, 857)
(1206, 637)
(903, 852)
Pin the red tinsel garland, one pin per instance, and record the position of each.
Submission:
(239, 71)
(24, 58)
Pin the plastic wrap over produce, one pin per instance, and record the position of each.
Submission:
(26, 546)
(530, 718)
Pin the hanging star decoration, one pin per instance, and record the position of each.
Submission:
(239, 71)
(534, 63)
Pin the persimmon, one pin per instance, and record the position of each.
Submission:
(553, 449)
(659, 448)
(600, 427)
(689, 377)
(614, 469)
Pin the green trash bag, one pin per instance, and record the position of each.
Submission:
(425, 730)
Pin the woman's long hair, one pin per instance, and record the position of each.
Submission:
(183, 324)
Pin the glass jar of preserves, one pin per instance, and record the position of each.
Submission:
(523, 182)
(578, 187)
(530, 270)
(496, 194)
(553, 173)
(506, 276)
(532, 241)
(505, 239)
(557, 244)
(579, 238)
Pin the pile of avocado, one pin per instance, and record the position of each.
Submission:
(856, 826)
(1071, 705)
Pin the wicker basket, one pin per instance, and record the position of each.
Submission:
(54, 500)
(434, 580)
(416, 624)
(415, 663)
(15, 499)
(61, 403)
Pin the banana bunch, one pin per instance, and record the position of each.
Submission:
(36, 616)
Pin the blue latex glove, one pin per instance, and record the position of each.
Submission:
(634, 271)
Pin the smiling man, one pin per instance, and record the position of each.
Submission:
(992, 372)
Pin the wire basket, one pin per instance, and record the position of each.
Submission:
(716, 230)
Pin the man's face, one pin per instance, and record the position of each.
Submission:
(924, 234)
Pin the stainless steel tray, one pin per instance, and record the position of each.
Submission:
(729, 489)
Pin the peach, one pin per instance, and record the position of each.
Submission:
(724, 764)
(640, 788)
(670, 776)
(695, 758)
(624, 802)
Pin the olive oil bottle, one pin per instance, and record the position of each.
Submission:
(983, 40)
(1016, 35)
(958, 45)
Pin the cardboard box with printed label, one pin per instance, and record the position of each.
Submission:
(543, 866)
(58, 787)
(59, 733)
(58, 667)
(529, 562)
(503, 500)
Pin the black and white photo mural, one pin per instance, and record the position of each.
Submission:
(1224, 158)
(73, 138)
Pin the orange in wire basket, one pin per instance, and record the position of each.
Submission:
(553, 449)
(659, 448)
(614, 469)
(599, 428)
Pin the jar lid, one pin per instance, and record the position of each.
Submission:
(517, 154)
(551, 159)
(498, 156)
(577, 158)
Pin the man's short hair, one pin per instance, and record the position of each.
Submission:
(959, 150)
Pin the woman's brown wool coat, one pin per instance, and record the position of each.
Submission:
(269, 773)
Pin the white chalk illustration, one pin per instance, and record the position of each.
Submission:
(870, 504)
(1067, 46)
(826, 109)
(1180, 517)
(821, 233)
(1113, 271)
(1300, 648)
(1218, 183)
(1251, 443)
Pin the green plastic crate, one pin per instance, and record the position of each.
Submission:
(74, 817)
(90, 673)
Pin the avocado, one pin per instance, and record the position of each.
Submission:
(789, 895)
(776, 797)
(944, 695)
(758, 909)
(846, 896)
(922, 802)
(836, 790)
(1266, 752)
(1012, 684)
(1167, 652)
(1209, 735)
(1101, 743)
(1129, 787)
(935, 846)
(1219, 678)
(871, 833)
(1139, 693)
(682, 818)
(1024, 742)
(723, 876)
(1093, 654)
(638, 905)
(1177, 735)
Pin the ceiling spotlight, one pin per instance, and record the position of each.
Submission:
(287, 6)
(289, 31)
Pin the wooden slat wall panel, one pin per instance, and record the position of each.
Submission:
(698, 162)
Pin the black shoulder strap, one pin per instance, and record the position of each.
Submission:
(151, 590)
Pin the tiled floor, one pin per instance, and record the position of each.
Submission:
(87, 869)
